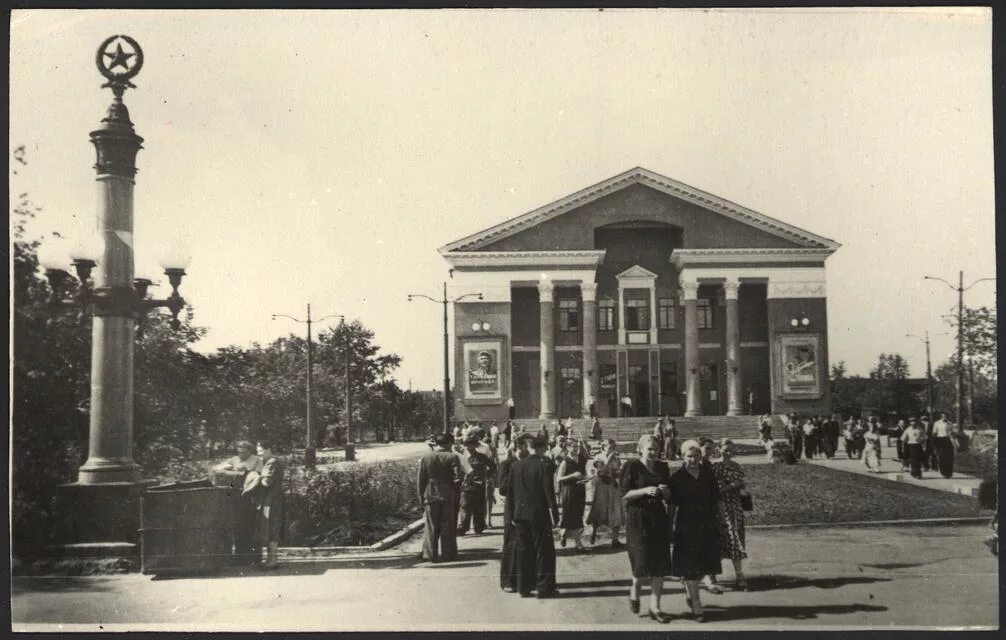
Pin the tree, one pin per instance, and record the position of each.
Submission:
(846, 391)
(889, 392)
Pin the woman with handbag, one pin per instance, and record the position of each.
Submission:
(734, 501)
(606, 509)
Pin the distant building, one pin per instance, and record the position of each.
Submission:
(646, 287)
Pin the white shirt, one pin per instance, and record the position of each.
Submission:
(941, 429)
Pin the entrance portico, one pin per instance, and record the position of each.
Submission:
(595, 303)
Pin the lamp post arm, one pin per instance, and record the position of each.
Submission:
(940, 280)
(976, 282)
(420, 295)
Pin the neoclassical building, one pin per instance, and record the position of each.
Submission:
(643, 296)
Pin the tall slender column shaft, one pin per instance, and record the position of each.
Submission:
(110, 445)
(691, 292)
(734, 381)
(548, 373)
(591, 375)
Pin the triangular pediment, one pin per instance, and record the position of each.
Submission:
(636, 272)
(794, 236)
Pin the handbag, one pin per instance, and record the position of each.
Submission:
(747, 504)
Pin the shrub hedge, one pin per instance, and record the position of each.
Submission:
(353, 503)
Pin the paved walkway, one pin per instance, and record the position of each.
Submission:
(842, 577)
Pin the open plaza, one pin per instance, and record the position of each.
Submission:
(638, 405)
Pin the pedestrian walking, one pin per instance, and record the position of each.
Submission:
(914, 439)
(595, 429)
(810, 432)
(508, 569)
(626, 405)
(670, 441)
(730, 512)
(571, 478)
(535, 512)
(606, 508)
(693, 498)
(871, 454)
(645, 489)
(796, 435)
(439, 476)
(943, 446)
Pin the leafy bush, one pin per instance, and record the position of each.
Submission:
(981, 458)
(352, 504)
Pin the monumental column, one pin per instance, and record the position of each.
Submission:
(588, 291)
(691, 297)
(734, 382)
(548, 374)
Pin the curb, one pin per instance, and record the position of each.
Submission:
(877, 523)
(381, 545)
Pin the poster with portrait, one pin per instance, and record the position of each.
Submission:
(482, 369)
(799, 362)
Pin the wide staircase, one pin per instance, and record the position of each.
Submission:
(716, 427)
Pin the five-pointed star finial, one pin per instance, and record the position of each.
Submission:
(119, 58)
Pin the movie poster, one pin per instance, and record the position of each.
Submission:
(800, 365)
(482, 370)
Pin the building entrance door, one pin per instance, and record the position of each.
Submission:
(639, 389)
(526, 385)
(669, 403)
(709, 390)
(570, 392)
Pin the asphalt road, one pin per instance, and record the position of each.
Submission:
(842, 577)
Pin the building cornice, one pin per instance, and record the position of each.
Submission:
(683, 257)
(584, 258)
(656, 181)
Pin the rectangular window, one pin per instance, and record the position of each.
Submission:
(637, 314)
(606, 315)
(705, 308)
(569, 315)
(608, 375)
(665, 313)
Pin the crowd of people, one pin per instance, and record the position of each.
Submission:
(688, 497)
(919, 444)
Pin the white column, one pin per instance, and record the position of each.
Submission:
(653, 312)
(547, 357)
(734, 402)
(621, 314)
(588, 292)
(690, 294)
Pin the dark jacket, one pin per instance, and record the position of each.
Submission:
(532, 488)
(439, 474)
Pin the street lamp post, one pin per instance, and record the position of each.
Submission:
(929, 375)
(447, 376)
(310, 452)
(960, 289)
(102, 506)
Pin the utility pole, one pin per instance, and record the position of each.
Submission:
(310, 453)
(960, 289)
(929, 376)
(350, 445)
(447, 376)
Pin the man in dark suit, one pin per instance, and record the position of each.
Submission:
(437, 483)
(535, 511)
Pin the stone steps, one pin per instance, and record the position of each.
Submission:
(716, 427)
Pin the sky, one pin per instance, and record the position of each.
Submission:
(322, 157)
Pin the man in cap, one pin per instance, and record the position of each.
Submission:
(534, 514)
(437, 484)
(473, 487)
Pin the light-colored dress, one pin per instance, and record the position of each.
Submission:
(871, 456)
(606, 508)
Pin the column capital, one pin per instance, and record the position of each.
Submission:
(588, 291)
(731, 288)
(545, 290)
(689, 289)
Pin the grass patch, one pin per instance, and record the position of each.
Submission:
(804, 493)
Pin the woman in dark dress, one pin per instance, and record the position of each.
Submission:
(644, 487)
(507, 569)
(693, 497)
(571, 478)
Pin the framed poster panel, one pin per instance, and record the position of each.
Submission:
(799, 361)
(484, 363)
